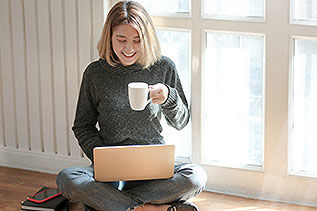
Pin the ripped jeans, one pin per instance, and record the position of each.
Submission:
(78, 184)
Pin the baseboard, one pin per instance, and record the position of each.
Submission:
(263, 198)
(38, 161)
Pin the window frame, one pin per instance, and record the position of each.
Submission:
(251, 167)
(291, 171)
(292, 19)
(235, 18)
(274, 181)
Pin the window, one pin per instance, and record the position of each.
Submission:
(233, 99)
(232, 9)
(304, 108)
(305, 10)
(175, 45)
(166, 6)
(233, 88)
(303, 92)
(251, 81)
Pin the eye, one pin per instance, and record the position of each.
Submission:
(136, 41)
(121, 41)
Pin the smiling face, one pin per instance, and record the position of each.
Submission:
(126, 44)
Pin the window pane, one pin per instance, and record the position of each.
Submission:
(175, 45)
(234, 8)
(304, 110)
(233, 99)
(165, 6)
(305, 10)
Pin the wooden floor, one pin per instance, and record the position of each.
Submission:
(16, 184)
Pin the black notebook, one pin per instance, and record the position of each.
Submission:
(59, 203)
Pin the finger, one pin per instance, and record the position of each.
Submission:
(153, 87)
(159, 100)
(157, 87)
(156, 101)
(155, 93)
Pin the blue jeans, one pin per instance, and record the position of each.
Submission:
(78, 184)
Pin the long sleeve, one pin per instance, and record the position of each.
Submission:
(103, 99)
(175, 109)
(86, 118)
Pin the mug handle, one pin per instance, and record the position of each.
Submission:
(149, 100)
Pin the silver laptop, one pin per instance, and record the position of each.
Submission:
(133, 162)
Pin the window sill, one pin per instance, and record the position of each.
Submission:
(249, 167)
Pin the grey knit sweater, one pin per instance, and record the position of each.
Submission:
(103, 99)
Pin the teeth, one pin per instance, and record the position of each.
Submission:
(128, 54)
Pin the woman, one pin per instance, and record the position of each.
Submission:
(129, 51)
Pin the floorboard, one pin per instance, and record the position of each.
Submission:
(17, 184)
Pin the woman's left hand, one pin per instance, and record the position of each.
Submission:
(158, 93)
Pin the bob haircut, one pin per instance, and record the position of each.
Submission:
(134, 14)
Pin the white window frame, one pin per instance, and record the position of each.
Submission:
(299, 22)
(204, 110)
(275, 181)
(291, 171)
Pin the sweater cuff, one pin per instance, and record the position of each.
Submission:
(171, 99)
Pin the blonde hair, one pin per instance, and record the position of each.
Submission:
(134, 14)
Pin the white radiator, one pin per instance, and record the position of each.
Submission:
(44, 49)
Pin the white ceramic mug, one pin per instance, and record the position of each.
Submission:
(138, 95)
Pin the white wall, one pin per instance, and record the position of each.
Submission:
(45, 47)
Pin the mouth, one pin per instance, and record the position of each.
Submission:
(128, 55)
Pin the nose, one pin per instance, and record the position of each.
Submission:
(128, 46)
